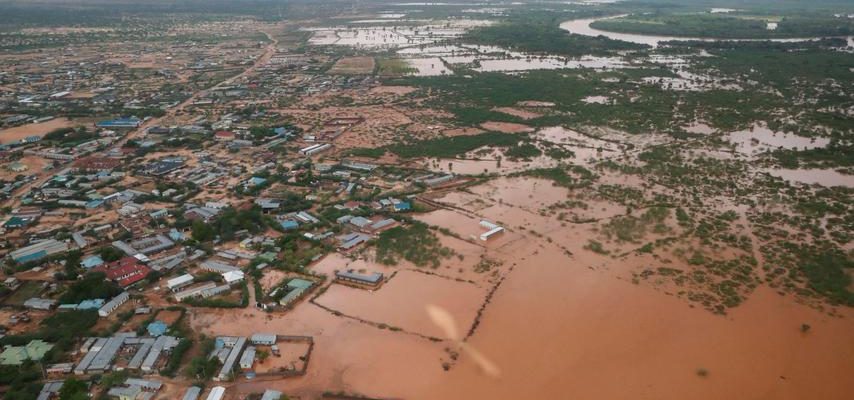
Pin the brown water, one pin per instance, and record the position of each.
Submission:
(823, 177)
(401, 302)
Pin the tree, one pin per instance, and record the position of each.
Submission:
(202, 232)
(73, 389)
(110, 253)
(262, 355)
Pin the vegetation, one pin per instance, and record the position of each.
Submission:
(93, 285)
(393, 67)
(450, 147)
(414, 243)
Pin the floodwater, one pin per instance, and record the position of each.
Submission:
(522, 62)
(582, 27)
(559, 324)
(556, 328)
(432, 66)
(823, 177)
(401, 302)
(760, 139)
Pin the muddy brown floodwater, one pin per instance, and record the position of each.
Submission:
(563, 323)
(558, 330)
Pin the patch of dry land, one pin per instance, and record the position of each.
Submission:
(39, 129)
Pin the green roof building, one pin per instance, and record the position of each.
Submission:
(16, 355)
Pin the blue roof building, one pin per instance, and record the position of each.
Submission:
(90, 304)
(257, 180)
(91, 262)
(156, 328)
(15, 222)
(175, 235)
(402, 206)
(289, 224)
(120, 123)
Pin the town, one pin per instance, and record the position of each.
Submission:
(421, 200)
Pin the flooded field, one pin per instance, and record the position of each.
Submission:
(760, 139)
(823, 177)
(432, 66)
(392, 36)
(401, 302)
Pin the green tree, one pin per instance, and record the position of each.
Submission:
(73, 389)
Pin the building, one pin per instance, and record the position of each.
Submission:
(216, 393)
(40, 304)
(113, 304)
(271, 394)
(120, 123)
(17, 166)
(233, 277)
(372, 279)
(177, 283)
(266, 339)
(91, 262)
(224, 136)
(16, 355)
(492, 230)
(315, 149)
(248, 358)
(37, 251)
(225, 372)
(216, 266)
(351, 241)
(194, 292)
(192, 393)
(125, 271)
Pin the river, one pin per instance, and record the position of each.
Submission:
(582, 27)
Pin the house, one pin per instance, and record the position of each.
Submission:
(216, 393)
(289, 224)
(38, 251)
(125, 271)
(113, 304)
(372, 279)
(192, 393)
(265, 339)
(16, 355)
(233, 277)
(177, 283)
(492, 229)
(16, 222)
(351, 241)
(40, 304)
(120, 123)
(248, 358)
(271, 394)
(224, 136)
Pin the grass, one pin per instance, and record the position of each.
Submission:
(28, 289)
(393, 67)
